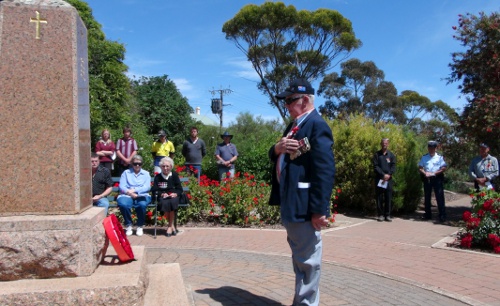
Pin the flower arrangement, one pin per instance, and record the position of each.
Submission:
(482, 223)
(241, 201)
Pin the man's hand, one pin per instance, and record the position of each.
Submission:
(481, 180)
(430, 174)
(318, 221)
(96, 198)
(286, 145)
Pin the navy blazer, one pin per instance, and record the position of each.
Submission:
(306, 182)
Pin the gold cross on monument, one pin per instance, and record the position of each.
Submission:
(38, 21)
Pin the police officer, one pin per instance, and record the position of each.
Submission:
(431, 168)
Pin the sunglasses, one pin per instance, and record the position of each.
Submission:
(137, 164)
(289, 101)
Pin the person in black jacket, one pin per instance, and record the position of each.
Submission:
(168, 188)
(384, 163)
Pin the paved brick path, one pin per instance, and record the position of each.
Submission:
(365, 263)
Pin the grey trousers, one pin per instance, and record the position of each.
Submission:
(307, 246)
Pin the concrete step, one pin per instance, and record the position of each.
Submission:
(166, 286)
(112, 283)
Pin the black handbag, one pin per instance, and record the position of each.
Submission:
(183, 199)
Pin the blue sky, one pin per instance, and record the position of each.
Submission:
(411, 41)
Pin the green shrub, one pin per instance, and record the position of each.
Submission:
(456, 180)
(356, 140)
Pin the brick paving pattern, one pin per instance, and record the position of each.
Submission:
(365, 263)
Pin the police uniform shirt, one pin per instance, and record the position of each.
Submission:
(432, 163)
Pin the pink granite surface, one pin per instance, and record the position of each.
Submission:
(44, 109)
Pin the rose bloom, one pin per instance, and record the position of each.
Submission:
(488, 205)
(466, 216)
(494, 240)
(466, 241)
(473, 223)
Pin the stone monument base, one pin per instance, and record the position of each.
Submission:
(113, 283)
(52, 246)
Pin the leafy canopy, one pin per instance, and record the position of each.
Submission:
(478, 69)
(283, 43)
(163, 107)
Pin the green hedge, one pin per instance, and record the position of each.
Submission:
(356, 140)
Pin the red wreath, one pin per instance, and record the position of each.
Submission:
(116, 235)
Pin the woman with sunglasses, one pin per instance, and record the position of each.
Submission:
(135, 184)
(168, 188)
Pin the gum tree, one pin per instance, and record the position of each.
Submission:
(283, 43)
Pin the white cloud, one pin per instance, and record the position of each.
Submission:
(182, 84)
(245, 68)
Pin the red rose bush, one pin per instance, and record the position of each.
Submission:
(482, 223)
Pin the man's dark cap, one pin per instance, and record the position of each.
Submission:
(226, 134)
(432, 144)
(297, 86)
(484, 145)
(162, 133)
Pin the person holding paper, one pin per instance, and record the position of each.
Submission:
(384, 163)
(431, 168)
(484, 168)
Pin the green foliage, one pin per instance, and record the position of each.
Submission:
(359, 89)
(253, 136)
(478, 67)
(455, 180)
(163, 105)
(283, 43)
(356, 140)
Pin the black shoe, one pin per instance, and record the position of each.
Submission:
(168, 234)
(425, 218)
(388, 219)
(174, 232)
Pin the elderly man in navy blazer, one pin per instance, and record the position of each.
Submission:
(302, 183)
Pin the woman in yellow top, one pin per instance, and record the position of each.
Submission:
(160, 149)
